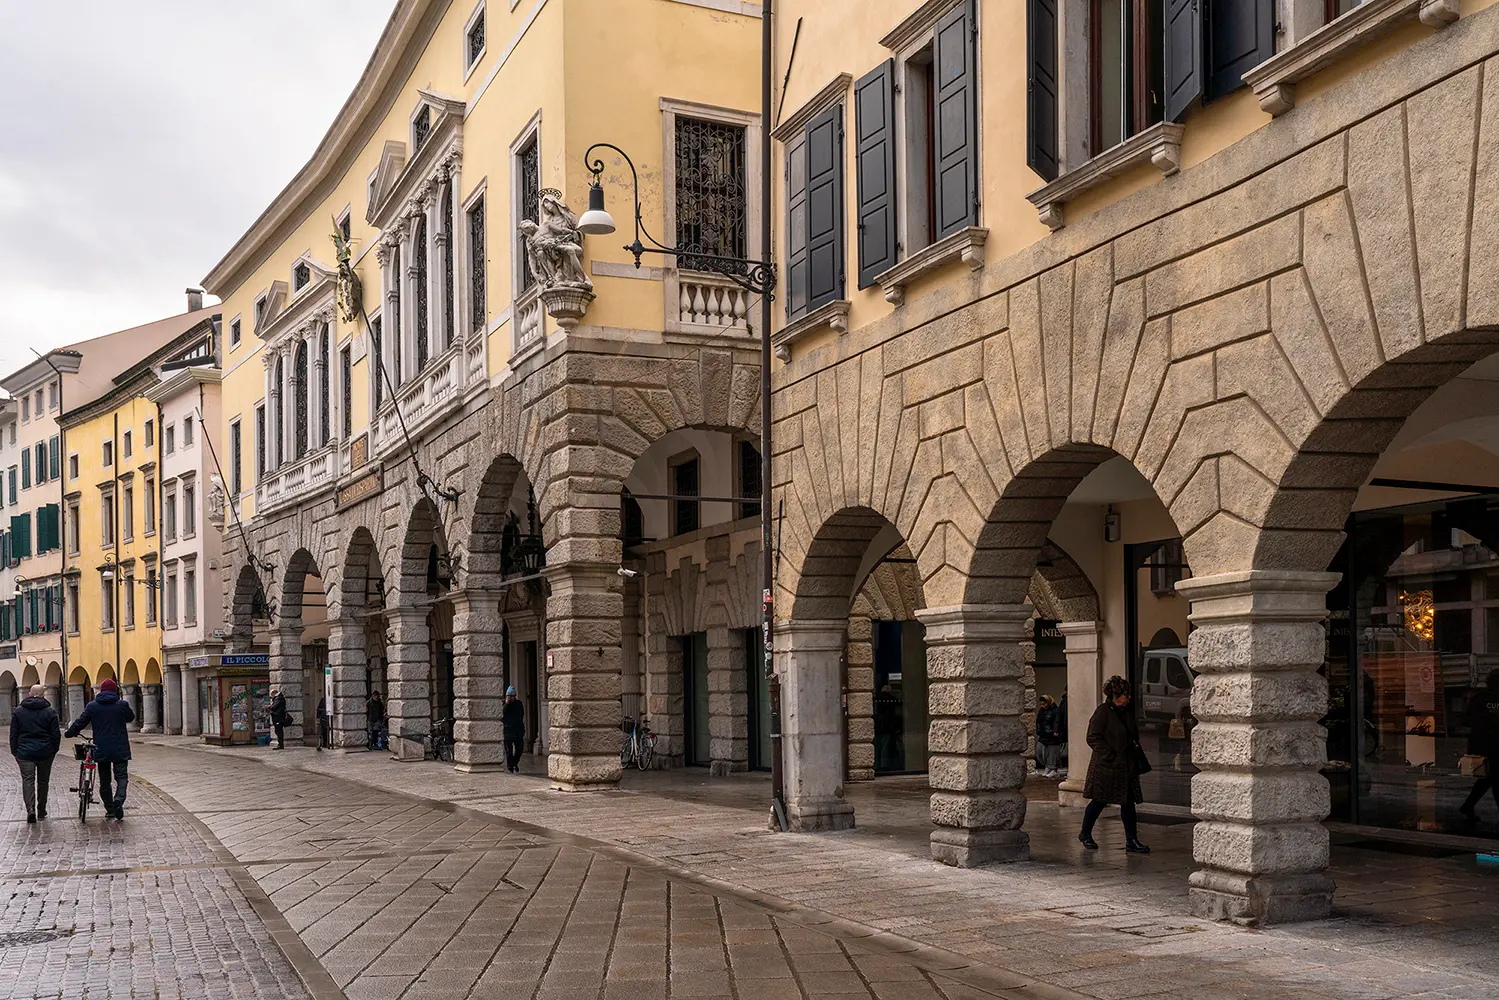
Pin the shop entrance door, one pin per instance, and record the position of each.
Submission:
(900, 698)
(698, 750)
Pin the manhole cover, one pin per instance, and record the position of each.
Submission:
(21, 939)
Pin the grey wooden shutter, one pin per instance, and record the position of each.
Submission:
(956, 154)
(796, 227)
(1240, 36)
(874, 166)
(1182, 56)
(825, 207)
(1043, 153)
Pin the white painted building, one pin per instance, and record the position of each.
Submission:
(10, 664)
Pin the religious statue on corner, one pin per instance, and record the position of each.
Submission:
(350, 293)
(554, 249)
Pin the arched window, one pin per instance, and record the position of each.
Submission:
(325, 379)
(419, 245)
(448, 245)
(280, 418)
(299, 416)
(395, 321)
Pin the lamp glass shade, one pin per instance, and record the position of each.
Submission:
(596, 221)
(108, 574)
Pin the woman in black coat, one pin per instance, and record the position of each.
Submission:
(35, 736)
(1113, 772)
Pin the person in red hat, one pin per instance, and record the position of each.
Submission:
(109, 714)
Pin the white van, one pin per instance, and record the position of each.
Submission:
(1166, 684)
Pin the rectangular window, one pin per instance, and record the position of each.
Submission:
(151, 582)
(26, 469)
(107, 602)
(107, 519)
(41, 463)
(127, 448)
(72, 609)
(72, 466)
(477, 266)
(148, 520)
(236, 459)
(474, 39)
(189, 511)
(73, 532)
(168, 440)
(169, 604)
(749, 478)
(528, 195)
(300, 276)
(260, 434)
(346, 382)
(20, 535)
(127, 512)
(25, 409)
(108, 453)
(190, 596)
(814, 206)
(684, 481)
(11, 483)
(710, 191)
(53, 392)
(1125, 84)
(187, 431)
(150, 438)
(54, 456)
(234, 334)
(169, 515)
(127, 590)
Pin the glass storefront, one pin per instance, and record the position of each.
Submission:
(900, 697)
(1159, 669)
(1414, 633)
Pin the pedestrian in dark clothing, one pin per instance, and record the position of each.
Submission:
(35, 736)
(1049, 737)
(109, 714)
(322, 723)
(374, 712)
(1483, 741)
(514, 720)
(278, 717)
(1114, 770)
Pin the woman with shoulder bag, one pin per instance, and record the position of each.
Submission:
(1115, 768)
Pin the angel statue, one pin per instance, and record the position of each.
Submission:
(350, 293)
(554, 246)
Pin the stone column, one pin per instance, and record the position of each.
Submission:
(192, 709)
(408, 678)
(432, 208)
(172, 703)
(75, 701)
(461, 306)
(1260, 797)
(582, 665)
(347, 658)
(54, 698)
(858, 677)
(1084, 693)
(807, 660)
(728, 701)
(151, 708)
(286, 675)
(478, 680)
(977, 739)
(132, 693)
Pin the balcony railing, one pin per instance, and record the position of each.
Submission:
(706, 304)
(528, 322)
(297, 480)
(423, 399)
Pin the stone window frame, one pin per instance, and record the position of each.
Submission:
(187, 486)
(149, 508)
(107, 610)
(127, 508)
(673, 462)
(70, 613)
(463, 262)
(169, 603)
(108, 530)
(754, 198)
(189, 606)
(73, 536)
(127, 588)
(471, 64)
(531, 130)
(344, 221)
(416, 112)
(372, 359)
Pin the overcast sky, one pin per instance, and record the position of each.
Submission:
(141, 139)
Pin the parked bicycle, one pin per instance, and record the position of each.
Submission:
(440, 740)
(640, 744)
(87, 775)
(379, 738)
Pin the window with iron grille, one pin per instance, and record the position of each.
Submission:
(421, 128)
(377, 361)
(528, 166)
(395, 318)
(476, 39)
(325, 373)
(300, 276)
(684, 481)
(346, 380)
(236, 456)
(447, 265)
(749, 478)
(259, 443)
(346, 226)
(711, 194)
(476, 264)
(420, 243)
(299, 427)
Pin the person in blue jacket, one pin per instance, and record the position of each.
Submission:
(108, 714)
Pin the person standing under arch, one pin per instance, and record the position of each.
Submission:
(1115, 768)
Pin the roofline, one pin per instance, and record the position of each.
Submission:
(170, 385)
(128, 382)
(65, 360)
(371, 99)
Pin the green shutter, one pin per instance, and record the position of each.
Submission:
(20, 529)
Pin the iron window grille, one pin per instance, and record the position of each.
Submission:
(476, 39)
(711, 192)
(529, 165)
(378, 360)
(346, 378)
(300, 416)
(421, 294)
(324, 375)
(476, 263)
(421, 128)
(447, 265)
(300, 276)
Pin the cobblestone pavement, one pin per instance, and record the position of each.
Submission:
(150, 907)
(1102, 925)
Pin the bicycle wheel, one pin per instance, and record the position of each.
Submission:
(647, 751)
(625, 752)
(85, 792)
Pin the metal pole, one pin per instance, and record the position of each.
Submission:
(767, 548)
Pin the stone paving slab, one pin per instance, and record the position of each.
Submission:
(1102, 925)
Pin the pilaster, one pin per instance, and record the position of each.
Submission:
(348, 658)
(478, 680)
(582, 669)
(807, 658)
(286, 675)
(409, 695)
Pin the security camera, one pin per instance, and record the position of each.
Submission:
(627, 573)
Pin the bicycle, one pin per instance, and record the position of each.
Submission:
(379, 738)
(640, 744)
(87, 772)
(440, 740)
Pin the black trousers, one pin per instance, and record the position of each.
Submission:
(514, 744)
(1096, 808)
(324, 733)
(1480, 788)
(116, 772)
(280, 733)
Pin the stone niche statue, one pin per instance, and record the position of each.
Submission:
(554, 248)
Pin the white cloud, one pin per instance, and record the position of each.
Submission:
(142, 139)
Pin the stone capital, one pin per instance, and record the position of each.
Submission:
(811, 635)
(966, 623)
(1258, 595)
(1081, 637)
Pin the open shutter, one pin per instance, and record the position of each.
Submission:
(54, 453)
(955, 136)
(1240, 36)
(796, 227)
(1043, 152)
(874, 164)
(20, 533)
(824, 207)
(1182, 56)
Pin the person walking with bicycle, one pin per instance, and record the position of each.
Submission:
(514, 721)
(109, 714)
(35, 738)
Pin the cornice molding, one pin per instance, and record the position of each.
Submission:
(835, 90)
(922, 19)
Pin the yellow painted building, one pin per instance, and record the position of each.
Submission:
(113, 528)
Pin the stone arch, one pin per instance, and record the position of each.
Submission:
(130, 674)
(424, 532)
(363, 581)
(1060, 590)
(248, 600)
(302, 565)
(842, 554)
(492, 506)
(30, 675)
(53, 676)
(79, 676)
(11, 691)
(152, 674)
(102, 673)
